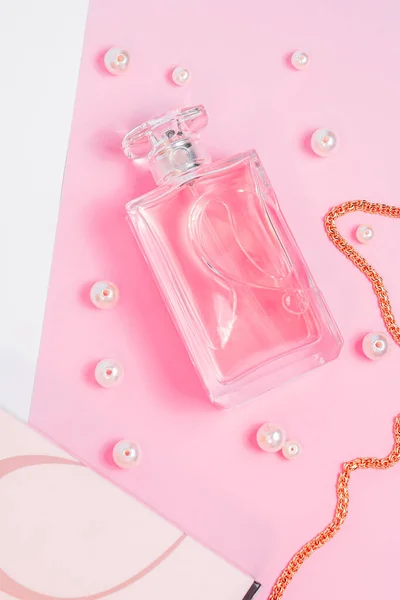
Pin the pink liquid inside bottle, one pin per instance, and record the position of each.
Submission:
(233, 278)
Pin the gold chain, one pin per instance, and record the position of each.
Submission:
(360, 262)
(342, 486)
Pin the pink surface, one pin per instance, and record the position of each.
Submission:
(200, 466)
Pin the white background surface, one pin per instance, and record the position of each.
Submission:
(40, 46)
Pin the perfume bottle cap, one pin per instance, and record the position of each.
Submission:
(171, 142)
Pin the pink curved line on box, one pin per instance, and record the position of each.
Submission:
(19, 591)
(7, 465)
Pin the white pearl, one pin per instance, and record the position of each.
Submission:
(291, 449)
(180, 76)
(300, 60)
(104, 294)
(270, 437)
(364, 233)
(108, 372)
(126, 454)
(323, 142)
(375, 345)
(116, 60)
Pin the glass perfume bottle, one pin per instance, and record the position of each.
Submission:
(234, 280)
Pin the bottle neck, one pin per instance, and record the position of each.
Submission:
(177, 156)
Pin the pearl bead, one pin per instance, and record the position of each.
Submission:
(108, 372)
(323, 142)
(364, 233)
(126, 454)
(180, 76)
(116, 60)
(270, 437)
(375, 345)
(104, 294)
(300, 60)
(291, 449)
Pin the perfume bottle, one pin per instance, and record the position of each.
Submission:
(234, 280)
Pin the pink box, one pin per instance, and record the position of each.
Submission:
(66, 532)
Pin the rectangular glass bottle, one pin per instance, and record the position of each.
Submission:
(230, 271)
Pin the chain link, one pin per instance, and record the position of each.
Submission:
(342, 486)
(359, 261)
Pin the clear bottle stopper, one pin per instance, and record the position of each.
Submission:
(172, 142)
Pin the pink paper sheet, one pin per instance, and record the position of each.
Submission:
(200, 466)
